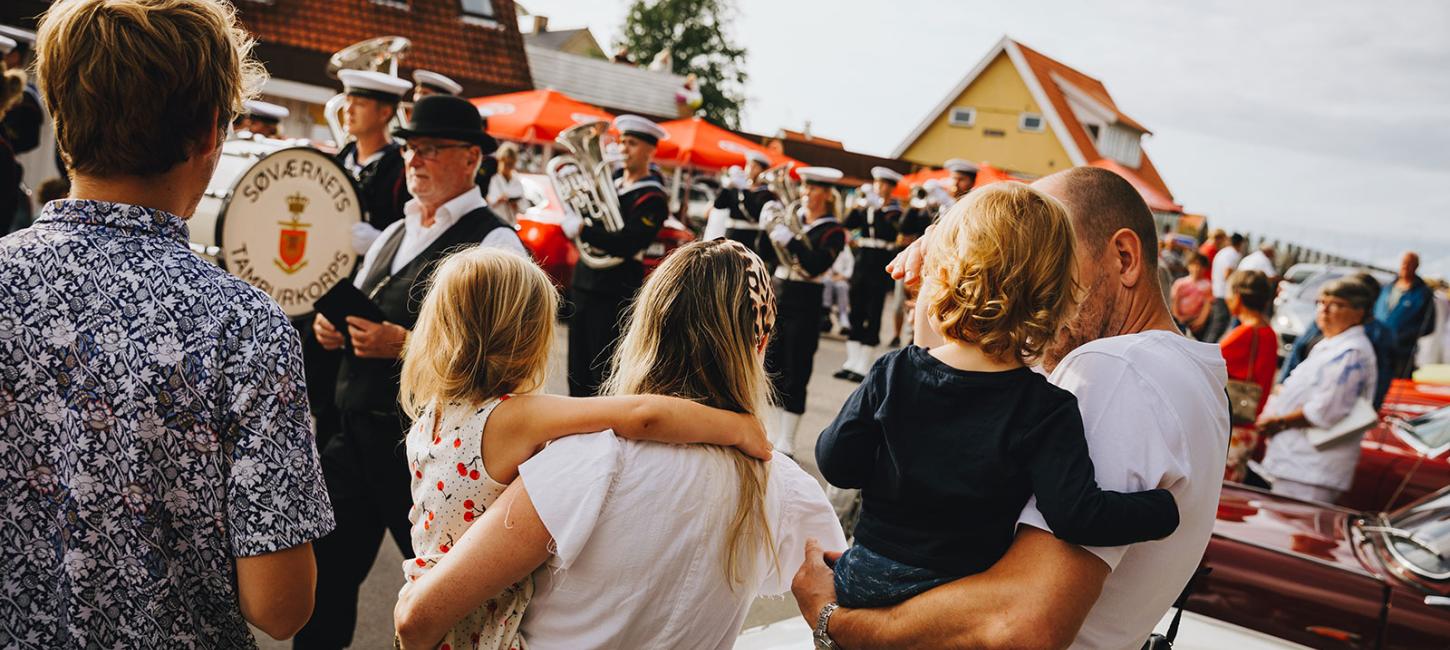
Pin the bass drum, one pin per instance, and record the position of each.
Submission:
(279, 216)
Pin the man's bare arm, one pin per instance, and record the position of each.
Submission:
(1037, 596)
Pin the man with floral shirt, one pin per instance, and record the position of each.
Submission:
(159, 486)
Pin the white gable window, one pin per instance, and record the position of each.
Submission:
(963, 116)
(1121, 144)
(1030, 122)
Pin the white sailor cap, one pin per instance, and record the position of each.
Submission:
(960, 166)
(437, 82)
(6, 45)
(18, 35)
(641, 128)
(886, 174)
(757, 157)
(375, 85)
(265, 110)
(819, 175)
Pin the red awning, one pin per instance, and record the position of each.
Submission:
(986, 175)
(696, 143)
(1155, 198)
(535, 116)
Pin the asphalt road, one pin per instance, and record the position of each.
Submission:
(826, 394)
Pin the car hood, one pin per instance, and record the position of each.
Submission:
(1314, 531)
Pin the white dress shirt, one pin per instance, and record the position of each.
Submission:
(1338, 372)
(502, 194)
(417, 237)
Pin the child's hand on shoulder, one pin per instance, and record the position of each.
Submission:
(753, 440)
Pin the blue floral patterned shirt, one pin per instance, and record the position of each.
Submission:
(153, 426)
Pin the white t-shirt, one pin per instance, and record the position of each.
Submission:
(1155, 415)
(639, 531)
(500, 190)
(1224, 264)
(1258, 261)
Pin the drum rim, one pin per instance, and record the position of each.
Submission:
(232, 192)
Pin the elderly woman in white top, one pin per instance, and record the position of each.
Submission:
(505, 190)
(645, 545)
(1321, 392)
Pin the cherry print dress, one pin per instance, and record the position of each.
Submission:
(451, 489)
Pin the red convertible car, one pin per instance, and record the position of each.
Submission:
(1407, 455)
(539, 228)
(1329, 577)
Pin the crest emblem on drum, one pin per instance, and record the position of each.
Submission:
(292, 244)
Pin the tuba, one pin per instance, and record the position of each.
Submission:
(379, 54)
(582, 178)
(785, 211)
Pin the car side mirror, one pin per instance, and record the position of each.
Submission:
(1438, 601)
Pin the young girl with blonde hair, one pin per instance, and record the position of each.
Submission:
(480, 347)
(637, 544)
(948, 444)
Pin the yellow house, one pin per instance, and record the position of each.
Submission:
(1025, 112)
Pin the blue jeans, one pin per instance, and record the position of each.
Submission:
(865, 578)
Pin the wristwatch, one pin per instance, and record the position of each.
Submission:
(823, 638)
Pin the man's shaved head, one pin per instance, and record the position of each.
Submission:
(1102, 203)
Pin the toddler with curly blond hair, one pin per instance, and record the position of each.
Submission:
(948, 444)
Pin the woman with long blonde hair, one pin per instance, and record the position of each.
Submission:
(646, 545)
(479, 350)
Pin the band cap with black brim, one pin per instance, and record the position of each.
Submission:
(265, 111)
(642, 128)
(823, 176)
(960, 166)
(886, 174)
(757, 157)
(437, 82)
(373, 85)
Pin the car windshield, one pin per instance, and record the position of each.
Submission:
(1425, 542)
(1428, 433)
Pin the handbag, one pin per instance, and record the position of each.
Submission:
(1244, 395)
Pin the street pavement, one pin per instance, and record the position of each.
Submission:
(826, 394)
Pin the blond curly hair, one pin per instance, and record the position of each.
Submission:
(1001, 271)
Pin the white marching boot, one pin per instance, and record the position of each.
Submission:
(853, 350)
(789, 422)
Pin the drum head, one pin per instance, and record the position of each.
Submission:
(286, 227)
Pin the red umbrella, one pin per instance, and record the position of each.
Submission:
(694, 142)
(986, 175)
(535, 115)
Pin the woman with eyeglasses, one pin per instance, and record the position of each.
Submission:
(1321, 392)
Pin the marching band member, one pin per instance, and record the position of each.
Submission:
(798, 290)
(373, 159)
(601, 296)
(877, 224)
(261, 118)
(964, 176)
(736, 214)
(367, 474)
(431, 83)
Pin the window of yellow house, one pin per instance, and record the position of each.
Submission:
(1030, 122)
(962, 116)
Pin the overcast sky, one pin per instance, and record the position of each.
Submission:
(1324, 122)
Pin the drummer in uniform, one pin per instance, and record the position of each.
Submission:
(364, 464)
(876, 225)
(736, 213)
(261, 118)
(373, 159)
(600, 296)
(791, 353)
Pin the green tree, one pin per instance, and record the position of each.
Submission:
(693, 30)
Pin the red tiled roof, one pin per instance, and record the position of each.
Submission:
(485, 59)
(1044, 68)
(1157, 200)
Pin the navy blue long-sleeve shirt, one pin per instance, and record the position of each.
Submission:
(946, 459)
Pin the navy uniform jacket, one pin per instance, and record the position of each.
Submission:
(876, 242)
(381, 186)
(881, 223)
(815, 252)
(645, 207)
(745, 205)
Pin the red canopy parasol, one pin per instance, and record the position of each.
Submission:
(535, 115)
(986, 175)
(694, 142)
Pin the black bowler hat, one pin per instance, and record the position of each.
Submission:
(448, 117)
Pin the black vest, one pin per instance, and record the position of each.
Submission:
(372, 384)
